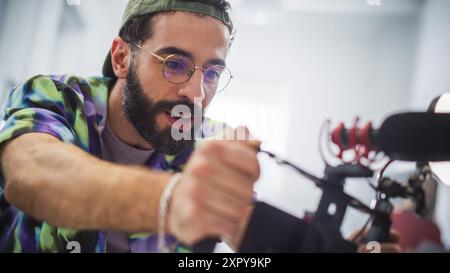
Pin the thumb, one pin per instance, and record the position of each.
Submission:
(242, 133)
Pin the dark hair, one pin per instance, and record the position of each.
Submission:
(140, 28)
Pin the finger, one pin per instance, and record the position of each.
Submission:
(356, 237)
(390, 248)
(207, 226)
(394, 236)
(256, 144)
(216, 174)
(364, 249)
(240, 157)
(218, 226)
(231, 179)
(222, 203)
(242, 134)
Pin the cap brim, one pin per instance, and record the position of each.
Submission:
(107, 67)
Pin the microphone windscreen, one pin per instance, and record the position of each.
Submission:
(415, 137)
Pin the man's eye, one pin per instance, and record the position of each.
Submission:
(175, 66)
(212, 75)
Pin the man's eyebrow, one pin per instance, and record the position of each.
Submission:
(176, 50)
(216, 61)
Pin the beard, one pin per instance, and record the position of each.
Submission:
(141, 112)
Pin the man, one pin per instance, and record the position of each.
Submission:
(53, 189)
(90, 162)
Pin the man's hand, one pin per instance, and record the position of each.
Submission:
(215, 194)
(390, 247)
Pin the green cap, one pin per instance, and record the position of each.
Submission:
(140, 7)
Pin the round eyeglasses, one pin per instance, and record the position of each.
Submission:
(179, 69)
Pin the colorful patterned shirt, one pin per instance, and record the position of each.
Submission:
(74, 110)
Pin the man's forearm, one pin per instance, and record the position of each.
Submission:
(66, 187)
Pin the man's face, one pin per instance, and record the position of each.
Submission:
(149, 97)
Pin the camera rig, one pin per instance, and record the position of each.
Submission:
(327, 219)
(334, 201)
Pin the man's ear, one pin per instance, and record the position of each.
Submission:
(120, 57)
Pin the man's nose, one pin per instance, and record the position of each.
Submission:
(193, 88)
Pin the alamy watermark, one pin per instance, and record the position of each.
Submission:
(373, 2)
(74, 247)
(199, 129)
(73, 2)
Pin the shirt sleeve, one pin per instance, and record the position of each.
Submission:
(39, 105)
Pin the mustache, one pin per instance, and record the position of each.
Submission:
(167, 106)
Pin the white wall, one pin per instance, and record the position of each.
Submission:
(53, 37)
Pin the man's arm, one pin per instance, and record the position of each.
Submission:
(67, 187)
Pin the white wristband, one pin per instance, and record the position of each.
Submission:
(163, 206)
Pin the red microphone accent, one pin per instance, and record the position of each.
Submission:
(336, 138)
(355, 138)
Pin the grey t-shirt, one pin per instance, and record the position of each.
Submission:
(115, 150)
